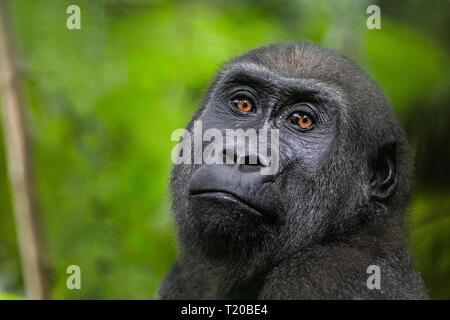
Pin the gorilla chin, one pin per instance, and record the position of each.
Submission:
(226, 218)
(229, 226)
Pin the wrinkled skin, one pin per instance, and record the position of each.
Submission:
(335, 206)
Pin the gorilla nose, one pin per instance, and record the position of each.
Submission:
(250, 161)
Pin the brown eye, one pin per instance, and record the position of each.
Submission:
(302, 120)
(244, 105)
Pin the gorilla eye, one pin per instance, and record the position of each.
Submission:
(302, 120)
(243, 104)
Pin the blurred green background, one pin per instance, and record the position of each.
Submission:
(104, 100)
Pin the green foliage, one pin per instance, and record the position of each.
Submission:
(105, 99)
(7, 296)
(405, 63)
(430, 241)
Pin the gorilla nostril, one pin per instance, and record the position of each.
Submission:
(229, 156)
(248, 162)
(252, 162)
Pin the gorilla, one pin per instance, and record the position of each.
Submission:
(336, 205)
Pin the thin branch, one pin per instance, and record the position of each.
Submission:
(19, 168)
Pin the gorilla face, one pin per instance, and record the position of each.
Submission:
(332, 166)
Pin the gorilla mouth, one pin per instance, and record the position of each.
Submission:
(227, 196)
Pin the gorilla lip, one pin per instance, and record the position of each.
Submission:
(226, 195)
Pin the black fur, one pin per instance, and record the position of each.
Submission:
(337, 205)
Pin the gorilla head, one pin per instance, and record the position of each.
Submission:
(343, 163)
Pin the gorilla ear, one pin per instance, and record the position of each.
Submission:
(384, 178)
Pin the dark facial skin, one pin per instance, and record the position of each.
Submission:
(239, 199)
(336, 201)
